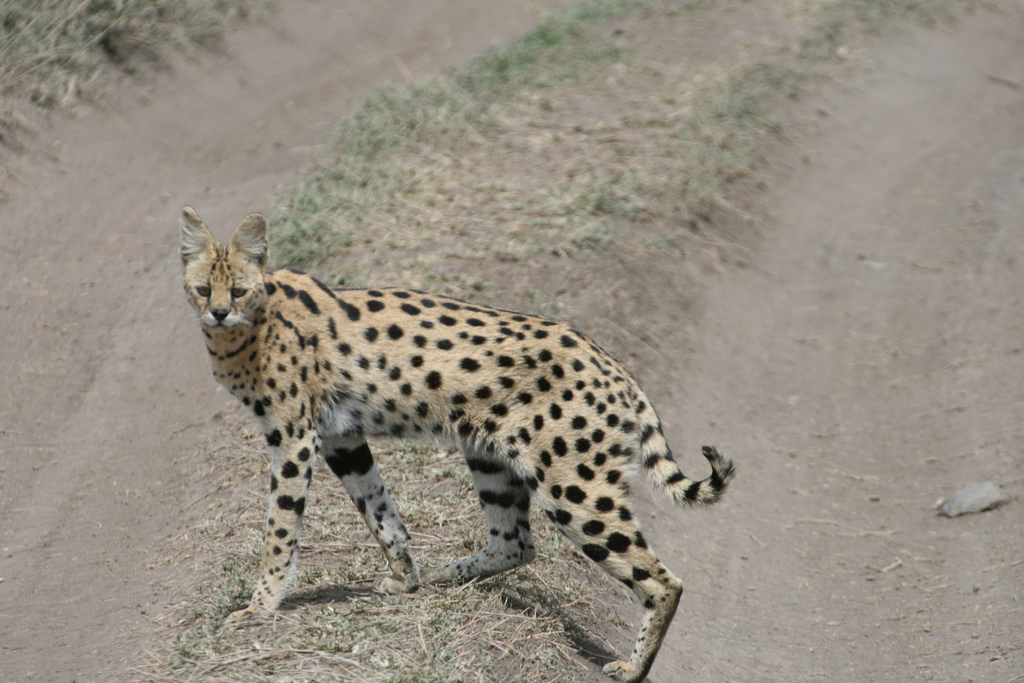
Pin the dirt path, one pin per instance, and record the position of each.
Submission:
(101, 390)
(864, 363)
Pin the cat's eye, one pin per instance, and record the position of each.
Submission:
(203, 291)
(237, 292)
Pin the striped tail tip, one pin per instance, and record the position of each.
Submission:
(706, 491)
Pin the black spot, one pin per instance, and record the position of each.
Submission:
(289, 470)
(612, 420)
(566, 395)
(506, 382)
(427, 303)
(640, 574)
(593, 527)
(447, 320)
(416, 361)
(595, 552)
(558, 445)
(483, 392)
(618, 542)
(604, 504)
(524, 398)
(274, 437)
(344, 462)
(628, 427)
(395, 373)
(422, 409)
(555, 411)
(344, 348)
(585, 472)
(389, 404)
(451, 306)
(478, 340)
(469, 365)
(557, 371)
(575, 494)
(524, 435)
(405, 389)
(374, 306)
(579, 422)
(475, 322)
(289, 503)
(613, 476)
(371, 334)
(419, 340)
(545, 458)
(577, 365)
(458, 399)
(582, 445)
(597, 436)
(567, 341)
(499, 409)
(434, 380)
(304, 454)
(505, 361)
(374, 292)
(647, 433)
(410, 309)
(484, 466)
(395, 332)
(444, 344)
(543, 384)
(490, 426)
(308, 302)
(538, 422)
(400, 295)
(625, 515)
(561, 516)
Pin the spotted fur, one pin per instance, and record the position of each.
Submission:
(541, 412)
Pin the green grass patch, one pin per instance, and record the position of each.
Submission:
(528, 153)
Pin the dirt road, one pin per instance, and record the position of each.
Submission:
(866, 363)
(862, 363)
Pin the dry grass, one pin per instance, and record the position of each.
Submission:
(523, 626)
(52, 52)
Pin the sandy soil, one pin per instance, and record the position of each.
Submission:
(862, 361)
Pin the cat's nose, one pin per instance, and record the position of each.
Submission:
(219, 314)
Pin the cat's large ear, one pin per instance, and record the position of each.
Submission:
(250, 239)
(195, 237)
